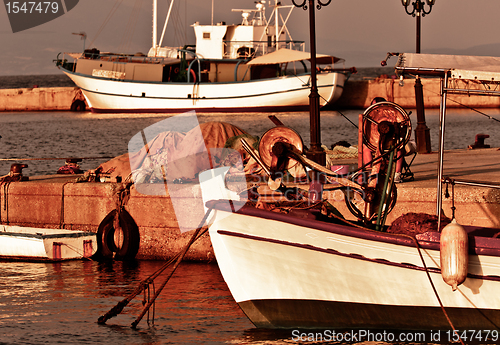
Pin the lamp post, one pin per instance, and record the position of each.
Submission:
(316, 152)
(422, 134)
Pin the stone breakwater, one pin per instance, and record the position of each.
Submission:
(40, 99)
(357, 95)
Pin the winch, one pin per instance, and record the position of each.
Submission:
(369, 195)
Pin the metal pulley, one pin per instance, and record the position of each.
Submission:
(383, 118)
(272, 150)
(279, 134)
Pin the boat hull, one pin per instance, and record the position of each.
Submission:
(288, 93)
(295, 273)
(38, 244)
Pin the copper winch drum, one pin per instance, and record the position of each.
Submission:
(384, 111)
(275, 135)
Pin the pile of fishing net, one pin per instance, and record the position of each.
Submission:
(174, 155)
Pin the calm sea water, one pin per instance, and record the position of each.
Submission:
(69, 134)
(60, 303)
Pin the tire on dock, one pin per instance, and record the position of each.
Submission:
(118, 238)
(78, 105)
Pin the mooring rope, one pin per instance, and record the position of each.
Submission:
(338, 111)
(466, 106)
(417, 245)
(77, 251)
(117, 309)
(52, 158)
(197, 234)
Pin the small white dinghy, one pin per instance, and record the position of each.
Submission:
(39, 244)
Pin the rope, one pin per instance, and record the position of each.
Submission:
(117, 309)
(417, 245)
(197, 234)
(77, 251)
(466, 106)
(6, 201)
(338, 111)
(61, 218)
(52, 158)
(106, 20)
(130, 28)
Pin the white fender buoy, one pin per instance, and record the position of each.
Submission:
(454, 250)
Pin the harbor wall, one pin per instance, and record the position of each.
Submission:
(39, 99)
(357, 94)
(59, 202)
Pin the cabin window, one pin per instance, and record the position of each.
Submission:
(206, 35)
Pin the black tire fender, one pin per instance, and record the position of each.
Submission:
(128, 245)
(78, 105)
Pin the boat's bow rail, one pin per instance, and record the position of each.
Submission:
(253, 49)
(69, 60)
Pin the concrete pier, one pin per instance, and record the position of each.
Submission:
(358, 94)
(59, 202)
(39, 99)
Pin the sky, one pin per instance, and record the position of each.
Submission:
(360, 31)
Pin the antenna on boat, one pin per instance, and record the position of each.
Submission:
(212, 12)
(83, 35)
(166, 22)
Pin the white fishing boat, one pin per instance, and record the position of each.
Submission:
(39, 244)
(291, 264)
(225, 72)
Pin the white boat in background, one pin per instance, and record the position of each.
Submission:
(38, 244)
(225, 72)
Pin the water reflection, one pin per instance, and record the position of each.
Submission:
(61, 302)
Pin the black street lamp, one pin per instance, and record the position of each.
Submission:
(422, 135)
(418, 11)
(316, 152)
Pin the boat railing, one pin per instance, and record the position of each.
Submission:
(251, 49)
(195, 67)
(134, 58)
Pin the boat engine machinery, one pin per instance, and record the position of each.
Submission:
(370, 193)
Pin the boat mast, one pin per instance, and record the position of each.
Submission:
(155, 23)
(276, 23)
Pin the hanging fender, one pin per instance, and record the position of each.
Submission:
(118, 236)
(454, 255)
